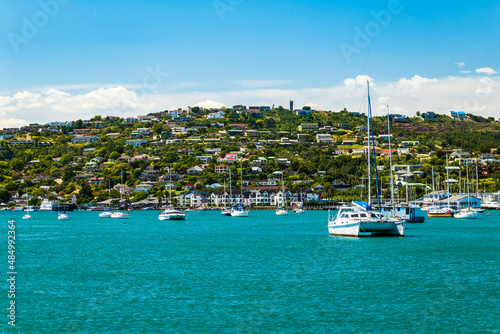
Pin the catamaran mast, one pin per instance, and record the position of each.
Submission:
(390, 158)
(369, 149)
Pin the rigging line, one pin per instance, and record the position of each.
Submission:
(371, 137)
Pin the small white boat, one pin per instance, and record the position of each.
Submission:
(491, 205)
(225, 212)
(172, 214)
(466, 214)
(62, 216)
(27, 216)
(105, 214)
(478, 210)
(120, 215)
(281, 212)
(239, 212)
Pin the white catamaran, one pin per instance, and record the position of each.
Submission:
(359, 218)
(170, 213)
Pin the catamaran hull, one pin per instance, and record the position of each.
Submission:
(356, 229)
(172, 217)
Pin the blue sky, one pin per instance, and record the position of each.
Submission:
(82, 56)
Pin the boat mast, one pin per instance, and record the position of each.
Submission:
(371, 138)
(390, 159)
(433, 189)
(241, 185)
(468, 191)
(170, 181)
(447, 181)
(369, 148)
(230, 188)
(477, 185)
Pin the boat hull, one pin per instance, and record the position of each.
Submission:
(120, 215)
(171, 217)
(466, 215)
(238, 213)
(360, 228)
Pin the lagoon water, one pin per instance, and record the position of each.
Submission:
(264, 273)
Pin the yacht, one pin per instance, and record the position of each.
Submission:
(359, 219)
(439, 212)
(281, 211)
(27, 216)
(238, 211)
(62, 216)
(491, 205)
(172, 214)
(466, 213)
(120, 215)
(105, 214)
(225, 212)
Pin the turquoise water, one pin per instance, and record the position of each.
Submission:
(264, 273)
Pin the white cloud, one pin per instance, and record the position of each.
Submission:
(460, 64)
(465, 72)
(210, 104)
(52, 104)
(414, 84)
(486, 70)
(478, 95)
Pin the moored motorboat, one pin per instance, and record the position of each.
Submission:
(172, 214)
(120, 215)
(238, 211)
(105, 214)
(62, 216)
(440, 212)
(281, 211)
(466, 214)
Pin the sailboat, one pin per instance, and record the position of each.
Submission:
(239, 210)
(438, 211)
(120, 214)
(226, 211)
(359, 218)
(27, 216)
(411, 214)
(107, 213)
(282, 211)
(466, 213)
(170, 213)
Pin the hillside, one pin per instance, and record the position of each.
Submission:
(317, 150)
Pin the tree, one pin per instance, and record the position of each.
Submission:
(5, 195)
(16, 164)
(114, 155)
(270, 123)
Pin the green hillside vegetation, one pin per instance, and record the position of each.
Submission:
(52, 164)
